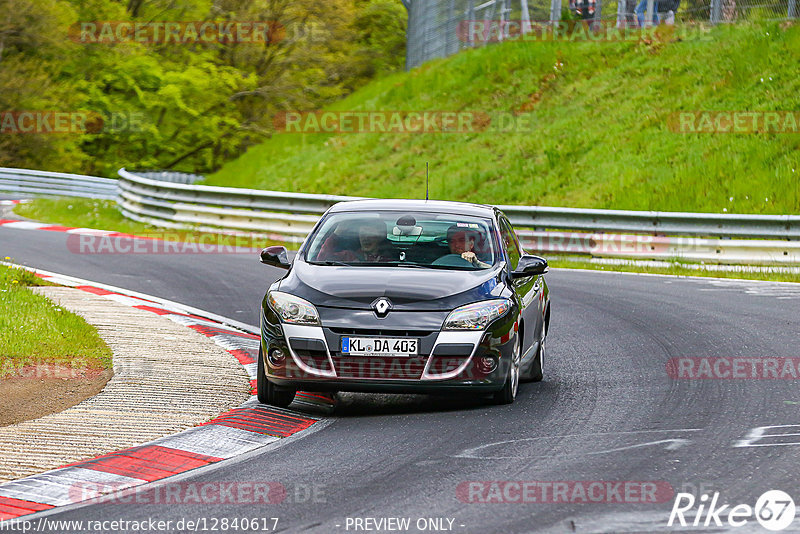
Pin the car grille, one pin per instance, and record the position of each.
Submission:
(376, 367)
(380, 332)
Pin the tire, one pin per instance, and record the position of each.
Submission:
(535, 373)
(267, 392)
(510, 388)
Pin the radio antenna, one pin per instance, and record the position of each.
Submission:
(426, 180)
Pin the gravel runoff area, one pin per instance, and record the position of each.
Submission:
(167, 378)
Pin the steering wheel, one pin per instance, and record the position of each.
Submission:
(452, 260)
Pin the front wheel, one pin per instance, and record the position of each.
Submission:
(266, 391)
(535, 373)
(509, 391)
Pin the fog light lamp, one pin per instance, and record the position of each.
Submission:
(276, 357)
(487, 364)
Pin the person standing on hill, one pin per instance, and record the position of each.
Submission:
(640, 9)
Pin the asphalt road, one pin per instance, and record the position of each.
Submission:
(607, 410)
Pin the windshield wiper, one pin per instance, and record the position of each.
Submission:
(414, 265)
(393, 264)
(331, 262)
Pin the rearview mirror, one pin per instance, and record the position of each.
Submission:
(276, 256)
(530, 265)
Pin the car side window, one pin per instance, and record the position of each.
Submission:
(510, 242)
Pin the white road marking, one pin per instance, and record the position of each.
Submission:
(25, 225)
(90, 231)
(781, 290)
(758, 433)
(474, 452)
(675, 443)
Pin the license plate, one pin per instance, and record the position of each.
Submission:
(379, 346)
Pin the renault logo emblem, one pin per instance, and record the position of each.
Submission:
(382, 306)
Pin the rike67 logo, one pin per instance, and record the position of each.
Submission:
(774, 510)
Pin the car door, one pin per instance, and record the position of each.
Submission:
(526, 288)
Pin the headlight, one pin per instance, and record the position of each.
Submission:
(293, 309)
(476, 316)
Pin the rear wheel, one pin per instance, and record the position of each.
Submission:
(266, 391)
(509, 391)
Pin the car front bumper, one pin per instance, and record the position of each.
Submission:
(448, 362)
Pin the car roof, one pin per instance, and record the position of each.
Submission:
(399, 204)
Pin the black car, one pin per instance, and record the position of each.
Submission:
(404, 296)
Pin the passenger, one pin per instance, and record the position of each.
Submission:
(462, 242)
(337, 247)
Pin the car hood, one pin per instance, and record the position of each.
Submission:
(408, 288)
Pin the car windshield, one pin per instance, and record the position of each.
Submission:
(404, 239)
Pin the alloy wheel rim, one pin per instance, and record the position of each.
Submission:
(515, 369)
(542, 349)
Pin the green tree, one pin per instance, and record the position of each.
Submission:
(33, 45)
(186, 106)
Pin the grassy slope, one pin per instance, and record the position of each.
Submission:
(35, 330)
(601, 137)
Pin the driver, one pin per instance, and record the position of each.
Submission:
(462, 242)
(373, 246)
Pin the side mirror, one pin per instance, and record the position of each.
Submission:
(276, 256)
(530, 266)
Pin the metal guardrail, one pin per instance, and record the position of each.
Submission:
(31, 182)
(171, 200)
(603, 245)
(174, 205)
(292, 215)
(171, 176)
(656, 222)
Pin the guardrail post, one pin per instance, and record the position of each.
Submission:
(622, 14)
(525, 16)
(716, 11)
(648, 15)
(452, 30)
(505, 12)
(470, 22)
(555, 11)
(598, 13)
